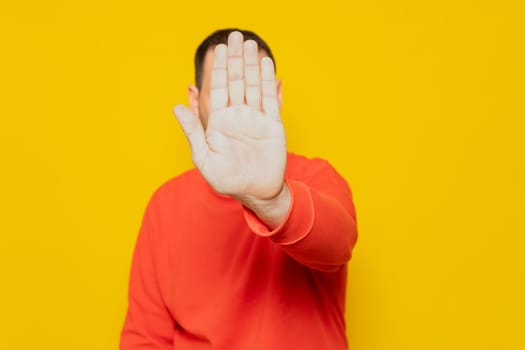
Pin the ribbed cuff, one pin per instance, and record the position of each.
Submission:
(298, 222)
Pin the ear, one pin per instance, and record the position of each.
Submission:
(280, 93)
(193, 97)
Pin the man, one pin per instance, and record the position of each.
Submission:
(249, 250)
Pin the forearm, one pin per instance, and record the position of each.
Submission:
(319, 229)
(328, 243)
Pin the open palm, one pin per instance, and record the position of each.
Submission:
(242, 151)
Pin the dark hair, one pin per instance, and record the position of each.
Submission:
(221, 37)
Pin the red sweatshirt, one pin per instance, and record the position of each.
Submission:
(207, 274)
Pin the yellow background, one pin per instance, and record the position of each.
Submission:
(419, 104)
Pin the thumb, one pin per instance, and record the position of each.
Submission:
(192, 128)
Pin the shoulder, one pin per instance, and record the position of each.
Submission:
(304, 167)
(187, 179)
(318, 174)
(173, 191)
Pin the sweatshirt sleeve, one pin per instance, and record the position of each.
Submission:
(148, 323)
(320, 228)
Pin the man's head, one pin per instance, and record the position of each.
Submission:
(200, 93)
(221, 37)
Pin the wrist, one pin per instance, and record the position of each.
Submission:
(271, 211)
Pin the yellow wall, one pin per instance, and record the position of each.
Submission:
(419, 104)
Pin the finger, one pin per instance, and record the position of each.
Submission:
(252, 75)
(270, 100)
(235, 68)
(192, 128)
(219, 79)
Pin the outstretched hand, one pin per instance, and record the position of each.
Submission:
(242, 151)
